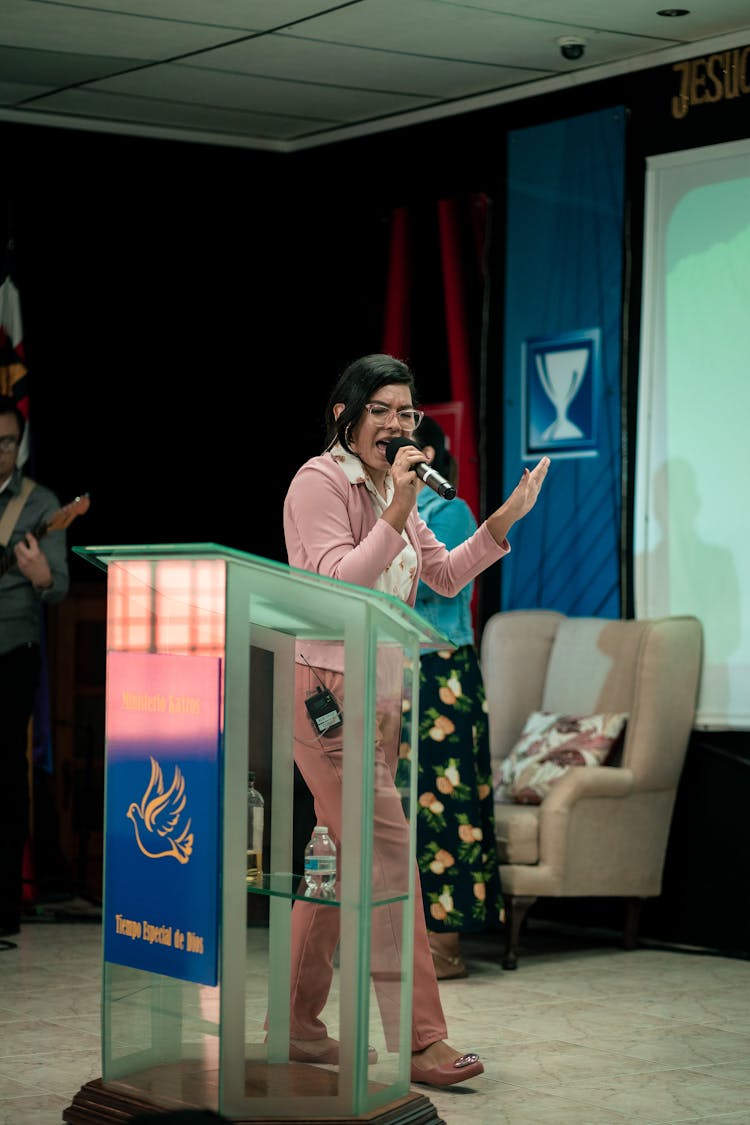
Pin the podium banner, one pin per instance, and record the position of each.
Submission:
(162, 804)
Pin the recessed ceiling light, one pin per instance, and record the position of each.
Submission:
(673, 12)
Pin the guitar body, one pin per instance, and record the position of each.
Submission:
(61, 519)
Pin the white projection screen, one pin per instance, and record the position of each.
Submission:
(692, 493)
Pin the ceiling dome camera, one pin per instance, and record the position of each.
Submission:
(571, 47)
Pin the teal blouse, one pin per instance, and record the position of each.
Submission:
(451, 521)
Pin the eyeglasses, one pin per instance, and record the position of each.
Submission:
(408, 418)
(8, 442)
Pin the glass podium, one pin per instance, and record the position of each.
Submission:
(203, 646)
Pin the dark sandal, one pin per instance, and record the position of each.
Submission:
(447, 967)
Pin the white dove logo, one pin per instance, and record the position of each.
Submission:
(157, 821)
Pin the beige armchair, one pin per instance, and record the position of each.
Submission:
(601, 830)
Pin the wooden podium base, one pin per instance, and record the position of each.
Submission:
(116, 1103)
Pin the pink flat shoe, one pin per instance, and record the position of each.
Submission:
(467, 1066)
(328, 1056)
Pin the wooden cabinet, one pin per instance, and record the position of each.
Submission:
(76, 658)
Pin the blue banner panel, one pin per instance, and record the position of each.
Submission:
(161, 881)
(562, 361)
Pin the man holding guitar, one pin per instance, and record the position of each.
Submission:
(33, 574)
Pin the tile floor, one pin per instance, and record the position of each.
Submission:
(582, 1033)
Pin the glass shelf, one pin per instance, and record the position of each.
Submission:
(289, 886)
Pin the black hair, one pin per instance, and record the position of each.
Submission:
(355, 387)
(9, 405)
(431, 433)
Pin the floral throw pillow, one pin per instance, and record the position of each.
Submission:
(549, 746)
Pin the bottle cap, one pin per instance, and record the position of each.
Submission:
(250, 776)
(320, 828)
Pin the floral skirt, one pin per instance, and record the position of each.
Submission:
(456, 852)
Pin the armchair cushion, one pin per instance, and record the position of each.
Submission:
(549, 747)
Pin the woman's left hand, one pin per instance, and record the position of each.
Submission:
(524, 496)
(521, 500)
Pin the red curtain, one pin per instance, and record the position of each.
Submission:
(450, 235)
(416, 302)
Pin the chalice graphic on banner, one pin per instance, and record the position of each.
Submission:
(561, 374)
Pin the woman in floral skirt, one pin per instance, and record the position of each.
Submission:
(456, 851)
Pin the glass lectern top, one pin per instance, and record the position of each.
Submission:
(269, 610)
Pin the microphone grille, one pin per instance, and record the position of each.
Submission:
(397, 443)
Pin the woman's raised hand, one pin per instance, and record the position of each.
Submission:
(521, 500)
(524, 495)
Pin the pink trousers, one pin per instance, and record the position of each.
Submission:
(315, 928)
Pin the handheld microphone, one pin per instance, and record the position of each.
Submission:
(423, 470)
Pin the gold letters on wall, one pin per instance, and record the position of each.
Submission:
(711, 79)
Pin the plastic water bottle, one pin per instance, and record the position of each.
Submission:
(320, 862)
(255, 814)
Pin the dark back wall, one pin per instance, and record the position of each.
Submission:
(186, 306)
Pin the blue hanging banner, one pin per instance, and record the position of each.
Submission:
(562, 361)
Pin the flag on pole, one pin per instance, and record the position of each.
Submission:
(14, 381)
(14, 374)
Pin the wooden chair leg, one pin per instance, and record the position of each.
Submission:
(516, 908)
(632, 919)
